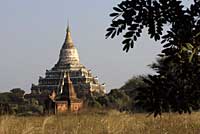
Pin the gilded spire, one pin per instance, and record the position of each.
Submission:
(68, 39)
(68, 53)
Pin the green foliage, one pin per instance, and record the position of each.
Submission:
(13, 103)
(14, 96)
(116, 99)
(33, 101)
(175, 88)
(18, 91)
(5, 97)
(131, 89)
(28, 108)
(132, 84)
(92, 102)
(176, 85)
(104, 101)
(132, 16)
(10, 98)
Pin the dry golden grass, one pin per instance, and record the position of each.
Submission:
(93, 122)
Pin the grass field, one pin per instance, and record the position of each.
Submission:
(101, 122)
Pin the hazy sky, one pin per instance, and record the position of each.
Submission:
(32, 33)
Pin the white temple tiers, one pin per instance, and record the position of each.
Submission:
(82, 79)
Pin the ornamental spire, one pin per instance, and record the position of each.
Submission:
(67, 87)
(68, 39)
(68, 53)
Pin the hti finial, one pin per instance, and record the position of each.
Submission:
(68, 26)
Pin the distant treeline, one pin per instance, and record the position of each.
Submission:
(13, 102)
(133, 96)
(122, 99)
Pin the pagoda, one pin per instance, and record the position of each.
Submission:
(82, 79)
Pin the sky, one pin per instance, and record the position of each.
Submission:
(32, 33)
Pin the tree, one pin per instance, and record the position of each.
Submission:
(18, 92)
(132, 84)
(91, 101)
(133, 16)
(115, 99)
(175, 89)
(118, 99)
(131, 89)
(176, 84)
